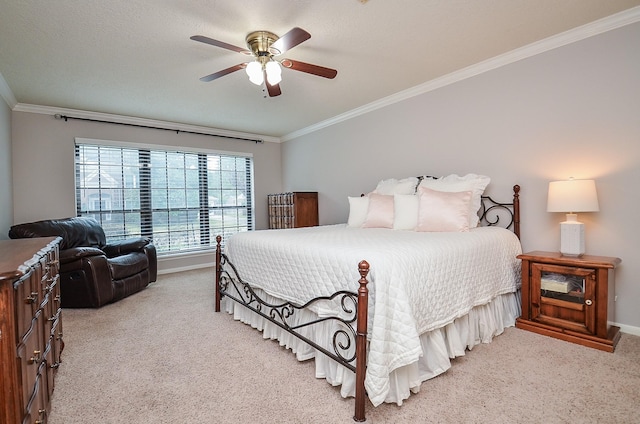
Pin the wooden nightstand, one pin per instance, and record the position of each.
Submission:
(569, 298)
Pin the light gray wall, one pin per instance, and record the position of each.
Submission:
(6, 188)
(43, 167)
(573, 111)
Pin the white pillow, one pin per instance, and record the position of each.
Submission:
(454, 183)
(405, 211)
(380, 211)
(443, 211)
(358, 207)
(392, 186)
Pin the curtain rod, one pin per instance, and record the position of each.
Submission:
(66, 118)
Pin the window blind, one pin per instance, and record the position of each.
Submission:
(180, 199)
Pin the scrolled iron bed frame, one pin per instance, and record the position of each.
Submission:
(353, 326)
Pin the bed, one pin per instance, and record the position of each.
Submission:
(382, 303)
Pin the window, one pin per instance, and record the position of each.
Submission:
(182, 200)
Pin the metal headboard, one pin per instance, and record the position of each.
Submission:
(494, 213)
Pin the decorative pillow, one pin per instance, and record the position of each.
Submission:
(443, 211)
(405, 211)
(358, 207)
(380, 212)
(454, 183)
(392, 186)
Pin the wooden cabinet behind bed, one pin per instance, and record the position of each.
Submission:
(293, 210)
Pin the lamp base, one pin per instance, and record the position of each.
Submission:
(572, 237)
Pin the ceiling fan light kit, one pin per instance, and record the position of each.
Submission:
(254, 70)
(274, 72)
(263, 46)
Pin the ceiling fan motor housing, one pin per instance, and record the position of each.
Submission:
(259, 42)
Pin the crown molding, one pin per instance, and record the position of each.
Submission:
(143, 122)
(6, 93)
(600, 26)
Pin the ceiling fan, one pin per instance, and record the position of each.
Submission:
(265, 68)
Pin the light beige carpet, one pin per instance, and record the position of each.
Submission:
(164, 356)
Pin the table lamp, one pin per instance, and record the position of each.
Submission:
(571, 196)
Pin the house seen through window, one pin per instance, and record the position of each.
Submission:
(182, 200)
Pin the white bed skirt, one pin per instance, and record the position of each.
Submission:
(439, 346)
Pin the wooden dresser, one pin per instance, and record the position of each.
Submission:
(30, 328)
(293, 210)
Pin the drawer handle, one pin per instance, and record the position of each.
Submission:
(33, 298)
(36, 357)
(588, 302)
(42, 413)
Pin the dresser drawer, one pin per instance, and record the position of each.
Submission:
(37, 405)
(53, 349)
(51, 303)
(27, 300)
(31, 356)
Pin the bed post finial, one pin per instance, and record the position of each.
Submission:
(363, 269)
(218, 270)
(361, 340)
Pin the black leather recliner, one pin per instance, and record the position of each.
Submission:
(92, 272)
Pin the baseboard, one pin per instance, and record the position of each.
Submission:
(628, 329)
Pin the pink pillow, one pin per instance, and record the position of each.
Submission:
(443, 211)
(475, 183)
(380, 211)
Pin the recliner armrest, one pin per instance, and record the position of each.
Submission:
(122, 247)
(75, 253)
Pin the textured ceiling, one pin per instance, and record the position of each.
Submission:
(135, 58)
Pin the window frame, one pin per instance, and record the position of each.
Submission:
(244, 213)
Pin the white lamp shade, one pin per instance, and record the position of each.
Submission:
(254, 70)
(572, 196)
(274, 73)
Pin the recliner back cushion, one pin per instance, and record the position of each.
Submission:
(78, 231)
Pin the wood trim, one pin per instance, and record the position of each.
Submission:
(584, 261)
(605, 344)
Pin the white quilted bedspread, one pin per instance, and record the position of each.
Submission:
(418, 281)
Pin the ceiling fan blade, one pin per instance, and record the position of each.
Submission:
(273, 90)
(222, 44)
(320, 71)
(223, 72)
(290, 40)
